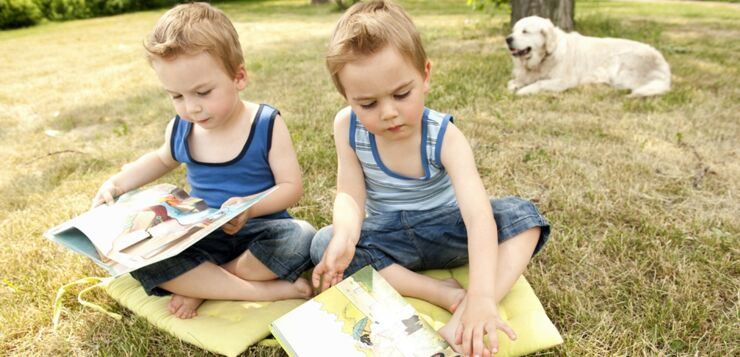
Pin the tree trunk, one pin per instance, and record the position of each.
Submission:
(560, 12)
(342, 6)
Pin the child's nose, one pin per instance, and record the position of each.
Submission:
(193, 107)
(389, 112)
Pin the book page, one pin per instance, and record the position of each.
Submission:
(144, 227)
(362, 315)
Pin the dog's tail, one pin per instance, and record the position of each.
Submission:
(659, 81)
(654, 87)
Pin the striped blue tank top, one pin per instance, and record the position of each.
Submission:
(388, 191)
(248, 173)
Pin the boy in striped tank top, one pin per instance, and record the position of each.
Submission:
(409, 196)
(232, 149)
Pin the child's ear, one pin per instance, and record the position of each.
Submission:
(241, 78)
(427, 76)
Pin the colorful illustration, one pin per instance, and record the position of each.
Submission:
(147, 231)
(361, 316)
(143, 227)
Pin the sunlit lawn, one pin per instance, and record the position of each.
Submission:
(642, 194)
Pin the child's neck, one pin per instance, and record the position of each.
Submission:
(225, 142)
(402, 156)
(238, 116)
(394, 144)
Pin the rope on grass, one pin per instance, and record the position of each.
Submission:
(99, 282)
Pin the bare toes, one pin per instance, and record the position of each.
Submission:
(174, 304)
(458, 300)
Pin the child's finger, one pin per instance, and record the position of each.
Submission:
(97, 201)
(508, 330)
(493, 340)
(316, 276)
(337, 279)
(487, 352)
(108, 197)
(477, 341)
(467, 337)
(326, 283)
(229, 202)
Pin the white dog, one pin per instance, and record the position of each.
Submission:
(549, 59)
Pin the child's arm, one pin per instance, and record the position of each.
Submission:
(480, 316)
(348, 211)
(287, 172)
(144, 170)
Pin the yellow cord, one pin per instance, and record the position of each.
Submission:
(99, 282)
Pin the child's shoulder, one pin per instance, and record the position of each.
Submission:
(252, 108)
(342, 118)
(343, 114)
(436, 113)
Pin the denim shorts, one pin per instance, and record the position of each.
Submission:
(281, 244)
(433, 239)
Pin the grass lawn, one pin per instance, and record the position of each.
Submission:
(642, 194)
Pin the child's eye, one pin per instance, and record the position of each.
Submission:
(176, 96)
(204, 93)
(402, 95)
(368, 105)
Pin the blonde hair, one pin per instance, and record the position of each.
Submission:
(367, 28)
(194, 28)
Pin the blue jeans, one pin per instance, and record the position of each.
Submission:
(433, 239)
(281, 244)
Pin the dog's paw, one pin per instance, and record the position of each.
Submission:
(512, 86)
(526, 90)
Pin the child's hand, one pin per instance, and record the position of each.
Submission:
(336, 259)
(480, 318)
(235, 224)
(106, 194)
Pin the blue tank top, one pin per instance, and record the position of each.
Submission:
(248, 173)
(388, 191)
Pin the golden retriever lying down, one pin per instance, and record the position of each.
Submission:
(548, 59)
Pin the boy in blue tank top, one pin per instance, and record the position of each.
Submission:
(232, 149)
(409, 196)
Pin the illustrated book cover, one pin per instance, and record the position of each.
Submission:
(143, 227)
(361, 316)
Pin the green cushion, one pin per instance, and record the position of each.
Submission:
(230, 327)
(224, 327)
(520, 308)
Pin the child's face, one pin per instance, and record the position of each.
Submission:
(201, 90)
(387, 93)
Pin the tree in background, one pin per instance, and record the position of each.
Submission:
(340, 3)
(560, 12)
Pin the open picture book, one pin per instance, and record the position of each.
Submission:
(143, 227)
(361, 316)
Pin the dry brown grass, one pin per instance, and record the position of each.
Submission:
(642, 194)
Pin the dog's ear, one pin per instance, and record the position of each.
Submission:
(550, 36)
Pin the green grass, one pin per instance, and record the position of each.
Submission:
(642, 194)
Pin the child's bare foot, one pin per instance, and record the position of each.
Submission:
(283, 289)
(448, 333)
(448, 330)
(303, 287)
(184, 307)
(453, 296)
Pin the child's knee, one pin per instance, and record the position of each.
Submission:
(319, 243)
(526, 243)
(306, 231)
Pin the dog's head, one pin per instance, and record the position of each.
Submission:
(532, 39)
